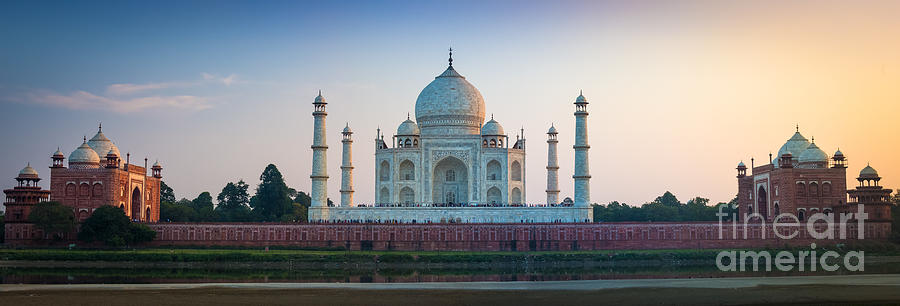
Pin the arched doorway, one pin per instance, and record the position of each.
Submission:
(407, 195)
(493, 171)
(136, 204)
(516, 196)
(451, 182)
(515, 171)
(407, 171)
(762, 202)
(147, 214)
(494, 196)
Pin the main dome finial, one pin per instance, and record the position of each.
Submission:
(451, 56)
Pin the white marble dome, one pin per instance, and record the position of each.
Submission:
(492, 127)
(813, 154)
(795, 145)
(868, 172)
(408, 127)
(552, 130)
(450, 105)
(28, 172)
(102, 145)
(84, 156)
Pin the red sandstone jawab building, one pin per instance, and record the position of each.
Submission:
(802, 180)
(90, 181)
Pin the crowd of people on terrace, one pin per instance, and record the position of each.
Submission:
(564, 204)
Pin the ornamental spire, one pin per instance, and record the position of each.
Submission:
(451, 56)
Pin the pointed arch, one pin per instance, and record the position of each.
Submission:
(515, 171)
(494, 171)
(407, 195)
(450, 181)
(494, 196)
(407, 170)
(136, 204)
(516, 196)
(384, 171)
(762, 201)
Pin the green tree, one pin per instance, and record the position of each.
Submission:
(203, 206)
(303, 199)
(166, 194)
(181, 211)
(111, 226)
(233, 203)
(272, 199)
(698, 209)
(53, 218)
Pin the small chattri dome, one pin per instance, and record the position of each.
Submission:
(84, 155)
(347, 129)
(58, 154)
(157, 165)
(28, 173)
(581, 99)
(742, 165)
(552, 130)
(868, 172)
(838, 153)
(813, 154)
(112, 153)
(408, 128)
(320, 98)
(492, 127)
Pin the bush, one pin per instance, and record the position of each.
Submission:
(53, 218)
(111, 226)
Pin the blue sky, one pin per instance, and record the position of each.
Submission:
(218, 89)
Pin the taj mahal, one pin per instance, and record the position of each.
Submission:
(450, 166)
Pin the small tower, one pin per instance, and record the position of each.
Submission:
(347, 168)
(742, 170)
(58, 158)
(157, 170)
(552, 167)
(582, 174)
(319, 176)
(839, 160)
(112, 160)
(24, 196)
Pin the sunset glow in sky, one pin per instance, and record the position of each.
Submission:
(679, 91)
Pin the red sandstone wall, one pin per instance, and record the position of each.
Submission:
(493, 237)
(475, 237)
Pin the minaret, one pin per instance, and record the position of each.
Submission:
(552, 167)
(582, 164)
(319, 176)
(347, 168)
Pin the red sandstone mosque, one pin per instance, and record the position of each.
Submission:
(94, 176)
(803, 180)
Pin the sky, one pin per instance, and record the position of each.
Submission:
(679, 91)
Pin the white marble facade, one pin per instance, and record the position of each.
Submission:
(448, 165)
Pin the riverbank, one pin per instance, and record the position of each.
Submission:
(866, 289)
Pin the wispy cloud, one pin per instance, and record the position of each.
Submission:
(128, 89)
(129, 97)
(228, 80)
(82, 100)
(207, 78)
